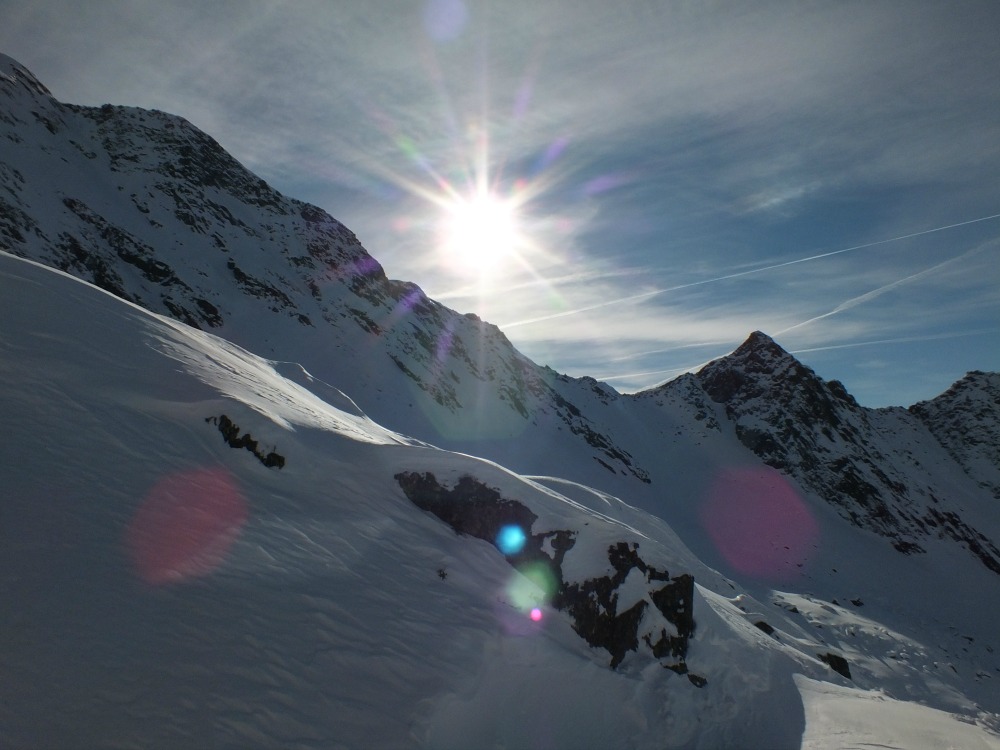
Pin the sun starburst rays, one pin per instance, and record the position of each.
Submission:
(478, 223)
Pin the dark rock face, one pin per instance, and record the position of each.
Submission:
(951, 526)
(762, 625)
(760, 373)
(593, 605)
(470, 507)
(235, 439)
(802, 426)
(816, 433)
(837, 663)
(474, 509)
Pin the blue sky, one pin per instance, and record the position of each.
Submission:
(682, 173)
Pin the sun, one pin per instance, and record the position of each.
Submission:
(480, 233)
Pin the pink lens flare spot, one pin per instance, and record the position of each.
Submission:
(536, 614)
(759, 524)
(185, 525)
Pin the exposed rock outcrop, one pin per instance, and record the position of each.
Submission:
(474, 509)
(236, 439)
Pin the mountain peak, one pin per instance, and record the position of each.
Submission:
(12, 72)
(758, 360)
(759, 343)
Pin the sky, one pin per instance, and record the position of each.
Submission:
(652, 180)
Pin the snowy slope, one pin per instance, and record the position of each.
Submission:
(163, 587)
(326, 609)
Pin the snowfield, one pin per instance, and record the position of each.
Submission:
(314, 606)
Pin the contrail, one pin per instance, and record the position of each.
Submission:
(899, 340)
(654, 292)
(862, 298)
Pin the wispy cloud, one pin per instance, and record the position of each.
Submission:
(771, 267)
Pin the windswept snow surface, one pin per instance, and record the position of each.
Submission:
(838, 718)
(161, 588)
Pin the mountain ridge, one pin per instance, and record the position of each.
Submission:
(816, 432)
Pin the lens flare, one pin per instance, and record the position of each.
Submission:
(511, 539)
(519, 608)
(533, 586)
(185, 525)
(759, 524)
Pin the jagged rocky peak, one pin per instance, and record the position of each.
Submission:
(741, 371)
(760, 366)
(24, 94)
(816, 433)
(760, 346)
(978, 392)
(162, 204)
(969, 406)
(786, 414)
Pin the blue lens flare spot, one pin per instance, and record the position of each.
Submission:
(511, 539)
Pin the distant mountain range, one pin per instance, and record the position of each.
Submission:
(768, 473)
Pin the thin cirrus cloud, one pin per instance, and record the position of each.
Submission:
(643, 295)
(701, 330)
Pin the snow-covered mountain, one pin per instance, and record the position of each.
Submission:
(207, 548)
(147, 207)
(909, 475)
